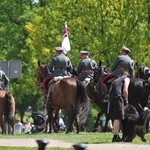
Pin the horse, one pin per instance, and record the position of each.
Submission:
(139, 91)
(68, 94)
(7, 111)
(42, 80)
(142, 72)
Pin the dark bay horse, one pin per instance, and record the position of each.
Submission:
(142, 72)
(139, 91)
(68, 94)
(7, 111)
(42, 79)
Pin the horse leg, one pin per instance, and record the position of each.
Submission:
(72, 117)
(77, 125)
(97, 120)
(106, 123)
(49, 113)
(2, 125)
(55, 124)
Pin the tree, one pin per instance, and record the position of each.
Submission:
(30, 31)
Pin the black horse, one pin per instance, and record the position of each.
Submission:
(139, 91)
(142, 72)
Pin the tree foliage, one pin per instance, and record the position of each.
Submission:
(30, 31)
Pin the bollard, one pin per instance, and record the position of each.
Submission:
(42, 144)
(79, 146)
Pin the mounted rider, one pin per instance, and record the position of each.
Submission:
(122, 62)
(4, 80)
(59, 66)
(86, 66)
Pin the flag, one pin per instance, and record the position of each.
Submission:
(65, 40)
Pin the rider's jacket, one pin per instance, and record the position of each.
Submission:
(3, 80)
(60, 65)
(122, 61)
(86, 69)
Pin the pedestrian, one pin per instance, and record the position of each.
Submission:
(118, 96)
(27, 126)
(4, 80)
(18, 127)
(86, 66)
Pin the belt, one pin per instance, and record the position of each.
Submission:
(90, 70)
(60, 69)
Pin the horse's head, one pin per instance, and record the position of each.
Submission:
(99, 72)
(143, 72)
(41, 73)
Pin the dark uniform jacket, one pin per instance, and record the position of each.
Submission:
(3, 80)
(60, 65)
(86, 69)
(123, 61)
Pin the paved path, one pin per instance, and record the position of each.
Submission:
(55, 143)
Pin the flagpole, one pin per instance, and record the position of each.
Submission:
(65, 40)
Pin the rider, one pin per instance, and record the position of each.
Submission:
(122, 62)
(86, 66)
(60, 65)
(4, 80)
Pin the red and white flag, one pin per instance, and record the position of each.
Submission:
(65, 40)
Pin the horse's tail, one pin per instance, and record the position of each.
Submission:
(83, 102)
(9, 108)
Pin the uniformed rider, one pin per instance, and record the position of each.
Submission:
(86, 66)
(60, 65)
(4, 80)
(123, 61)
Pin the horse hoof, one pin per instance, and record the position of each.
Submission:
(144, 140)
(67, 132)
(95, 130)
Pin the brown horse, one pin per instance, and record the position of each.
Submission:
(7, 111)
(42, 80)
(68, 94)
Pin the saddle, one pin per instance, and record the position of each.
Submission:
(105, 82)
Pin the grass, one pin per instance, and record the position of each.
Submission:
(82, 137)
(85, 137)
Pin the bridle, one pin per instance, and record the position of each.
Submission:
(40, 76)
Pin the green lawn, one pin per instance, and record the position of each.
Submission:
(83, 137)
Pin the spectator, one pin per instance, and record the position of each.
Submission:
(27, 126)
(118, 96)
(18, 127)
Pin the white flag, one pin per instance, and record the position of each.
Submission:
(65, 40)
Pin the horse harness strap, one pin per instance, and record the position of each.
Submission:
(88, 70)
(51, 90)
